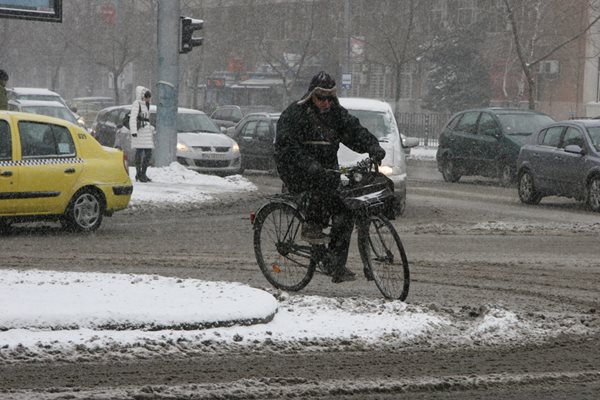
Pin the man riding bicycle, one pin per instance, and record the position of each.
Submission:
(309, 133)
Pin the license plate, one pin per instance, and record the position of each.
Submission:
(213, 156)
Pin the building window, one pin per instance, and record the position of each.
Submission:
(466, 12)
(437, 14)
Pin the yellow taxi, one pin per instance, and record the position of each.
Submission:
(54, 170)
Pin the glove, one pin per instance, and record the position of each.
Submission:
(377, 154)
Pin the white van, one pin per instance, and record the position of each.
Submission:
(377, 116)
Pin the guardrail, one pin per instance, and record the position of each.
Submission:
(425, 126)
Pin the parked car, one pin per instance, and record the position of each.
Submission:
(486, 142)
(200, 144)
(255, 134)
(87, 107)
(30, 93)
(228, 116)
(49, 108)
(107, 122)
(562, 159)
(53, 169)
(378, 117)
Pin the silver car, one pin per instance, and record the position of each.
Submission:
(200, 144)
(377, 116)
(43, 107)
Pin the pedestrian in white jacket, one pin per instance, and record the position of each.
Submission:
(142, 133)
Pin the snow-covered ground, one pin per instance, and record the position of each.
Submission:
(49, 315)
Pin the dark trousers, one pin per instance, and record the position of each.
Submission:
(142, 160)
(324, 205)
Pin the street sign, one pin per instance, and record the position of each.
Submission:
(108, 13)
(346, 81)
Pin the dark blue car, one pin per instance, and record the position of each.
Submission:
(562, 159)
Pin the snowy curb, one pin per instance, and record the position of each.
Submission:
(52, 300)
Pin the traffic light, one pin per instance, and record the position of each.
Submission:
(187, 41)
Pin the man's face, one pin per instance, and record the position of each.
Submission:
(323, 100)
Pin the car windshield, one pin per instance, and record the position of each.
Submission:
(523, 124)
(191, 122)
(378, 123)
(44, 97)
(195, 123)
(595, 136)
(58, 112)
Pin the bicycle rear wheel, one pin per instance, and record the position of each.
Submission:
(283, 259)
(383, 254)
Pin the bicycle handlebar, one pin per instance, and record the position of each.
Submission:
(363, 166)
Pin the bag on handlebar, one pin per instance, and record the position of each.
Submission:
(375, 192)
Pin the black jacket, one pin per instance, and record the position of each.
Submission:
(305, 137)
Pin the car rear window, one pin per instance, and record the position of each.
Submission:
(552, 136)
(45, 140)
(595, 136)
(523, 124)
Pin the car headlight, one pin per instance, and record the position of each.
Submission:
(182, 147)
(386, 170)
(235, 148)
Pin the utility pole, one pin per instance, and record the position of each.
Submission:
(168, 82)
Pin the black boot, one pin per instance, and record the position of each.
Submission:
(144, 177)
(343, 274)
(138, 174)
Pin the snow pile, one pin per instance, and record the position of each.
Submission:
(67, 300)
(178, 185)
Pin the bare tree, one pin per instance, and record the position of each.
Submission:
(288, 61)
(396, 40)
(113, 46)
(535, 32)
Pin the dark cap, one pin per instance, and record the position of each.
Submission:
(147, 94)
(3, 75)
(320, 83)
(322, 80)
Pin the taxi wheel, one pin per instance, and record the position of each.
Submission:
(85, 211)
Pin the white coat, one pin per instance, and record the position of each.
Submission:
(145, 135)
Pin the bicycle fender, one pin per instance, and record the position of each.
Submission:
(281, 200)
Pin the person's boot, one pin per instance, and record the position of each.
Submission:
(144, 176)
(313, 234)
(138, 174)
(343, 274)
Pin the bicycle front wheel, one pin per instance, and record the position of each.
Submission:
(383, 255)
(283, 259)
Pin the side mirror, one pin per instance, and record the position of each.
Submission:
(223, 129)
(409, 142)
(575, 149)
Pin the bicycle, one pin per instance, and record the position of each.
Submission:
(289, 264)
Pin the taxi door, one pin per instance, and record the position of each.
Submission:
(49, 167)
(8, 170)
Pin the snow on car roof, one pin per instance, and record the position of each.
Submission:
(358, 103)
(40, 103)
(31, 90)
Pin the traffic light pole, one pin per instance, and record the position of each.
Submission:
(168, 82)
